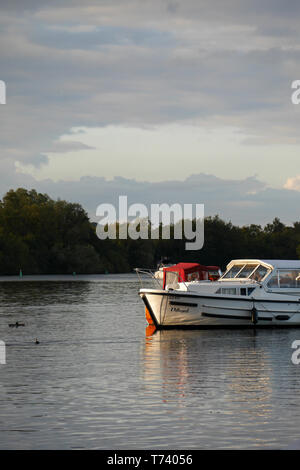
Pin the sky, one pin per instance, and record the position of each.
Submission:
(161, 100)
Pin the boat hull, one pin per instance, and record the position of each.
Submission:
(185, 310)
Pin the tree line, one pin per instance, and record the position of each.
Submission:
(39, 235)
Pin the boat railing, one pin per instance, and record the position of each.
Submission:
(150, 274)
(173, 285)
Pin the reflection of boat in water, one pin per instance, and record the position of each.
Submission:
(212, 370)
(251, 292)
(165, 364)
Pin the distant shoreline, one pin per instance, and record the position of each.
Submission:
(65, 277)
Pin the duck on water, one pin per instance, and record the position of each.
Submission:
(16, 325)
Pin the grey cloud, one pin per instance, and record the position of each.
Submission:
(257, 12)
(55, 147)
(182, 88)
(20, 6)
(67, 146)
(101, 36)
(226, 63)
(241, 201)
(172, 7)
(38, 161)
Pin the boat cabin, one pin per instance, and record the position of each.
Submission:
(188, 272)
(276, 275)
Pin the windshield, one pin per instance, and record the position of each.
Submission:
(253, 271)
(247, 270)
(233, 271)
(259, 273)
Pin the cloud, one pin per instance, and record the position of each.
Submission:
(57, 147)
(37, 161)
(293, 183)
(98, 63)
(67, 146)
(93, 37)
(242, 201)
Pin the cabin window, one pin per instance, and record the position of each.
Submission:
(171, 279)
(233, 291)
(213, 273)
(289, 279)
(285, 279)
(193, 276)
(228, 291)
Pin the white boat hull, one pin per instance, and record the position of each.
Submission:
(186, 310)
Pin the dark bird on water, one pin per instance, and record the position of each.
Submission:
(36, 341)
(12, 325)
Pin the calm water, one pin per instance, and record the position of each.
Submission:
(97, 380)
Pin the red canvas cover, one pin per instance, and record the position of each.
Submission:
(190, 271)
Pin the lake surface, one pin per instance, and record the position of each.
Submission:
(100, 380)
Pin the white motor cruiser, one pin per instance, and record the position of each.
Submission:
(250, 293)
